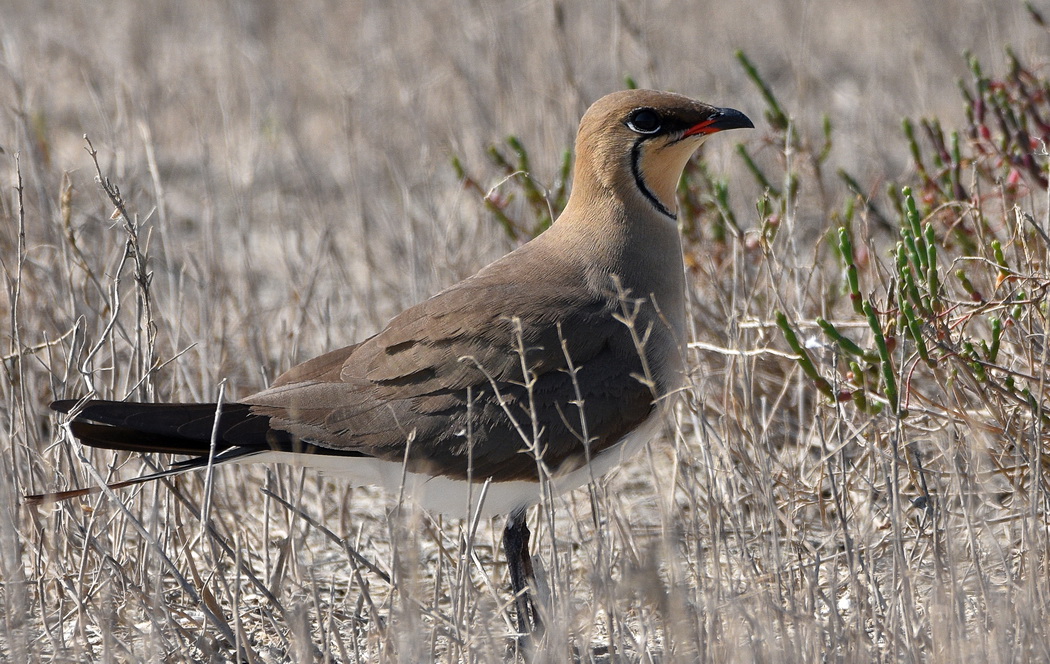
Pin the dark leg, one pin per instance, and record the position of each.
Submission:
(519, 564)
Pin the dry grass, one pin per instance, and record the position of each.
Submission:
(286, 166)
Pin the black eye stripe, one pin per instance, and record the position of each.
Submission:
(644, 121)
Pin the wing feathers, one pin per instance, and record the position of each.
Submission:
(444, 379)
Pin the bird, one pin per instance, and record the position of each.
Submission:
(547, 368)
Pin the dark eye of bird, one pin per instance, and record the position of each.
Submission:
(644, 121)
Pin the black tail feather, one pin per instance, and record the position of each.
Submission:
(133, 440)
(175, 428)
(180, 428)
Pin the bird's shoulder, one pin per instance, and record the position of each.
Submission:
(479, 328)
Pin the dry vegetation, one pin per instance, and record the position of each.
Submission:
(286, 171)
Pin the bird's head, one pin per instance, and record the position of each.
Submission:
(637, 142)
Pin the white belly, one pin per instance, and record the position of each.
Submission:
(458, 498)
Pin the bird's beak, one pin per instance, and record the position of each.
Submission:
(724, 118)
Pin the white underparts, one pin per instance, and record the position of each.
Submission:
(458, 498)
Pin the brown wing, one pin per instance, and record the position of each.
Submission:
(448, 371)
(323, 368)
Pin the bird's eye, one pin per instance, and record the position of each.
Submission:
(644, 121)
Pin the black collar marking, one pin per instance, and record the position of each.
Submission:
(636, 155)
